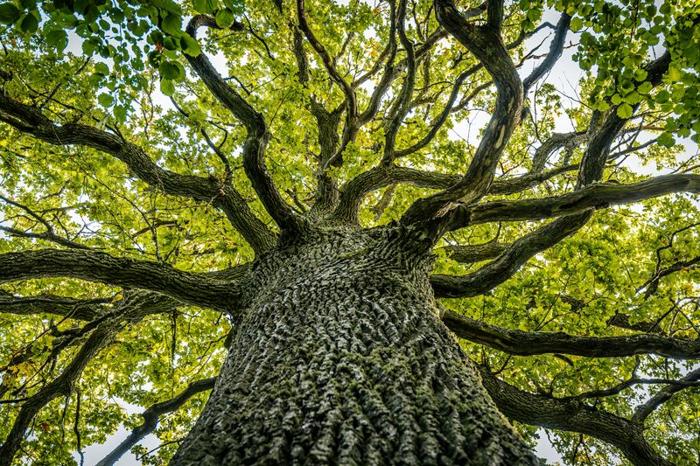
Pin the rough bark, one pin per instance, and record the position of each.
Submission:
(341, 358)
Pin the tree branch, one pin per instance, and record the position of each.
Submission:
(531, 343)
(596, 196)
(353, 191)
(80, 309)
(475, 252)
(501, 269)
(132, 309)
(257, 131)
(30, 120)
(488, 47)
(663, 395)
(555, 50)
(573, 416)
(351, 125)
(196, 289)
(151, 417)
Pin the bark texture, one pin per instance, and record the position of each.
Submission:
(340, 358)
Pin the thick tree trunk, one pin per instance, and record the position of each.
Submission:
(340, 358)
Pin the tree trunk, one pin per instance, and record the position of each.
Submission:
(340, 358)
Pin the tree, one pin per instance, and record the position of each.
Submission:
(294, 226)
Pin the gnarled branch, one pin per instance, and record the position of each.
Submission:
(530, 343)
(573, 416)
(192, 288)
(31, 120)
(257, 131)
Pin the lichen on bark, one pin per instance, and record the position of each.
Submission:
(340, 358)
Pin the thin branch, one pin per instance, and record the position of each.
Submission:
(131, 311)
(152, 415)
(663, 395)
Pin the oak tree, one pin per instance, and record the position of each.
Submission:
(350, 232)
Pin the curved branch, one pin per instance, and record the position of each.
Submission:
(257, 132)
(663, 395)
(442, 118)
(196, 289)
(351, 124)
(80, 309)
(401, 105)
(531, 343)
(132, 309)
(578, 206)
(151, 417)
(596, 196)
(573, 416)
(505, 266)
(555, 50)
(31, 120)
(354, 190)
(487, 46)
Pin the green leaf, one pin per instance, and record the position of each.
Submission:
(205, 6)
(120, 113)
(57, 39)
(645, 87)
(640, 75)
(224, 18)
(576, 24)
(167, 5)
(674, 74)
(8, 13)
(29, 23)
(190, 46)
(89, 47)
(105, 99)
(663, 96)
(625, 111)
(666, 140)
(101, 69)
(167, 87)
(171, 70)
(172, 24)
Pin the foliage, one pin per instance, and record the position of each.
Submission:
(122, 66)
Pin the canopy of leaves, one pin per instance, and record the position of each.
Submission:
(123, 67)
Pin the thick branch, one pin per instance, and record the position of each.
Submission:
(531, 343)
(555, 50)
(596, 196)
(257, 132)
(487, 46)
(30, 120)
(80, 309)
(401, 105)
(475, 252)
(354, 190)
(196, 289)
(501, 269)
(573, 416)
